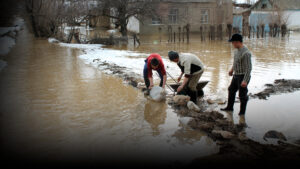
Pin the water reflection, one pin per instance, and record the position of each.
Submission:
(242, 120)
(155, 114)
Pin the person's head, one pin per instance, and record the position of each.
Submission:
(236, 40)
(173, 56)
(154, 63)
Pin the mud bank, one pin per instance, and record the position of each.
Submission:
(279, 86)
(129, 78)
(234, 145)
(232, 140)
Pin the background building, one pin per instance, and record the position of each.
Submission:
(176, 14)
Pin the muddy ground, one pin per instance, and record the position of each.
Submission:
(279, 86)
(129, 78)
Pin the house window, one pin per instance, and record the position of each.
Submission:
(204, 16)
(264, 6)
(156, 20)
(173, 16)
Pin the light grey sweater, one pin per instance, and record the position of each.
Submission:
(242, 64)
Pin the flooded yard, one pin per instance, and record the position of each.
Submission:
(58, 104)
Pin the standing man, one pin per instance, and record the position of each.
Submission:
(154, 62)
(241, 72)
(192, 68)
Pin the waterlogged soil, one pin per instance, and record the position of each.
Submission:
(279, 86)
(129, 78)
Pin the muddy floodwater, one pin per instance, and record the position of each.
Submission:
(53, 106)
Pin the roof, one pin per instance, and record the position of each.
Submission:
(240, 11)
(282, 4)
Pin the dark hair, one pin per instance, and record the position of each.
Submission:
(173, 55)
(154, 62)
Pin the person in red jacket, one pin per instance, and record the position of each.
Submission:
(154, 62)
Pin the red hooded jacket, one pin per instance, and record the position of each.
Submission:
(161, 65)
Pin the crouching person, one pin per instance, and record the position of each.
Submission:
(154, 62)
(192, 68)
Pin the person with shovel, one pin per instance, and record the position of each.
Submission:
(192, 68)
(241, 72)
(154, 62)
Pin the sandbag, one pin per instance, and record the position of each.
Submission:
(192, 106)
(181, 100)
(157, 93)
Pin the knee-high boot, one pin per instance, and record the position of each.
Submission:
(243, 105)
(231, 100)
(194, 95)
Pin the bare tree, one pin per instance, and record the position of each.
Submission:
(120, 11)
(278, 19)
(48, 15)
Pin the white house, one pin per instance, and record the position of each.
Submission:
(263, 10)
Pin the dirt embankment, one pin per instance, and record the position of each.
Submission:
(130, 78)
(231, 138)
(233, 142)
(279, 86)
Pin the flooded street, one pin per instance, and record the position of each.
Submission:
(54, 106)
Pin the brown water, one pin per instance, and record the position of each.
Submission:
(53, 106)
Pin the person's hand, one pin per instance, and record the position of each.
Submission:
(230, 72)
(244, 84)
(151, 86)
(179, 88)
(179, 78)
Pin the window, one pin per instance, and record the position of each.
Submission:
(264, 6)
(204, 16)
(156, 20)
(173, 16)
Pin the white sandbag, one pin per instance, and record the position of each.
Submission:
(192, 106)
(157, 93)
(181, 100)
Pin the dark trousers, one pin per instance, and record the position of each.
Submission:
(243, 93)
(146, 79)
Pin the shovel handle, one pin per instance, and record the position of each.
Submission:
(172, 78)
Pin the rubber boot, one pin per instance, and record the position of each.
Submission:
(231, 100)
(193, 95)
(243, 106)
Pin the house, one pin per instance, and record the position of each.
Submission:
(176, 14)
(268, 13)
(276, 11)
(241, 13)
